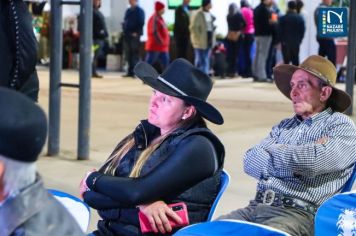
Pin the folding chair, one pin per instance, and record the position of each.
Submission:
(78, 209)
(229, 227)
(337, 216)
(224, 182)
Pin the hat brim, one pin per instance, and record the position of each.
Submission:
(149, 75)
(339, 100)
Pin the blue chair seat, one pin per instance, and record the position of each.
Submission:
(76, 207)
(229, 227)
(337, 216)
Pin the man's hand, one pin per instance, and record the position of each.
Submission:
(322, 140)
(157, 213)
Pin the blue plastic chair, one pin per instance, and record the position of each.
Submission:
(76, 207)
(229, 227)
(224, 182)
(337, 216)
(348, 185)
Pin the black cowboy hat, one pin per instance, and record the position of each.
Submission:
(182, 80)
(320, 67)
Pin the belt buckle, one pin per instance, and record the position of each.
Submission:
(268, 197)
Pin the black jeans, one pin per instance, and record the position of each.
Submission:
(327, 49)
(290, 54)
(132, 51)
(247, 42)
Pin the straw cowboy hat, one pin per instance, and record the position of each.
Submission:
(320, 67)
(182, 80)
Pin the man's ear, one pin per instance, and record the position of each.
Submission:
(325, 93)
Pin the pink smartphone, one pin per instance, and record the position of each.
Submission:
(180, 208)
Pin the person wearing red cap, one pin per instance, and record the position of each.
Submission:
(157, 44)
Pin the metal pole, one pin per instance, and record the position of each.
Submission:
(55, 78)
(86, 29)
(351, 55)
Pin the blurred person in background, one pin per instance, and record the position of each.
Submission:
(263, 22)
(248, 38)
(157, 44)
(235, 24)
(202, 35)
(181, 29)
(327, 47)
(100, 34)
(132, 27)
(291, 32)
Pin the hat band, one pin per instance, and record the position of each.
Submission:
(318, 74)
(171, 85)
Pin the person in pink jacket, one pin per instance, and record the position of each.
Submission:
(248, 38)
(157, 44)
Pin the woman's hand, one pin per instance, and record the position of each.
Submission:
(83, 187)
(157, 213)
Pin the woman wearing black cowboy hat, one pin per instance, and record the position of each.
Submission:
(170, 157)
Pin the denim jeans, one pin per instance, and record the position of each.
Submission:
(290, 220)
(162, 57)
(202, 59)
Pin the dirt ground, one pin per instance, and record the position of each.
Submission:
(118, 104)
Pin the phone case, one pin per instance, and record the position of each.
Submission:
(180, 208)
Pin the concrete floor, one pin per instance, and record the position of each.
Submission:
(117, 104)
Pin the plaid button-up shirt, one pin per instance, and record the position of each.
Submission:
(291, 161)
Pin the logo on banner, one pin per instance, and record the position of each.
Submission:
(332, 22)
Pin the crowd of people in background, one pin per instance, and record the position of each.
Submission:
(257, 39)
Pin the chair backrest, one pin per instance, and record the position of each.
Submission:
(348, 185)
(76, 207)
(224, 182)
(337, 216)
(229, 227)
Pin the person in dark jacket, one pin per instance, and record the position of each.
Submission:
(327, 47)
(170, 157)
(18, 54)
(100, 34)
(263, 22)
(26, 207)
(132, 28)
(235, 23)
(291, 33)
(181, 29)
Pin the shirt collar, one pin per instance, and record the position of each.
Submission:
(319, 116)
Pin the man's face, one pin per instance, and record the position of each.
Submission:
(186, 2)
(306, 94)
(132, 2)
(327, 2)
(97, 4)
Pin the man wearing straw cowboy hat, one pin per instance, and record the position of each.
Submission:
(305, 159)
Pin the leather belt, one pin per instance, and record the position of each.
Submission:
(269, 197)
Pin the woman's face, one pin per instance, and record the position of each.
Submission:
(166, 112)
